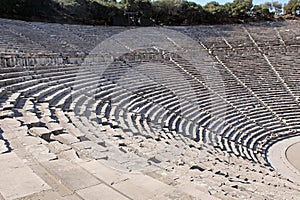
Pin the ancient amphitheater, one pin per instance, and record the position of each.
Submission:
(204, 112)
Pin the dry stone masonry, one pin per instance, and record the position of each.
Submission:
(163, 113)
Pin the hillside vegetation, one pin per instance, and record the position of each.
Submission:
(145, 12)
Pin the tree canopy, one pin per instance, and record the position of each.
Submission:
(292, 7)
(144, 12)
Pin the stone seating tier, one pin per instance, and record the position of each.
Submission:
(149, 112)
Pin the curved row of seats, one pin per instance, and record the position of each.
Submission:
(59, 87)
(259, 122)
(155, 115)
(142, 112)
(270, 89)
(35, 37)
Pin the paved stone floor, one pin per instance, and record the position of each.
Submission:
(293, 156)
(284, 157)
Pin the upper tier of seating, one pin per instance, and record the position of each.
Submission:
(237, 100)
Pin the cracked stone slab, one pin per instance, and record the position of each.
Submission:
(66, 138)
(47, 120)
(44, 195)
(73, 130)
(140, 186)
(194, 191)
(10, 122)
(106, 174)
(29, 140)
(57, 147)
(55, 128)
(30, 120)
(19, 180)
(41, 132)
(41, 152)
(71, 175)
(69, 155)
(89, 145)
(101, 190)
(44, 107)
(97, 155)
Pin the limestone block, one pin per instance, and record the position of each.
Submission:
(41, 132)
(71, 175)
(69, 155)
(66, 138)
(57, 147)
(29, 140)
(55, 128)
(100, 191)
(19, 179)
(41, 152)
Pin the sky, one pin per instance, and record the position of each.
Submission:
(255, 2)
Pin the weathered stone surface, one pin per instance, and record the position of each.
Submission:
(57, 147)
(100, 191)
(106, 174)
(89, 145)
(157, 112)
(47, 119)
(61, 116)
(44, 107)
(28, 106)
(178, 194)
(44, 195)
(41, 152)
(10, 123)
(41, 132)
(139, 186)
(194, 192)
(55, 128)
(69, 155)
(83, 145)
(66, 138)
(30, 120)
(71, 174)
(17, 180)
(30, 140)
(73, 130)
(3, 147)
(136, 186)
(97, 155)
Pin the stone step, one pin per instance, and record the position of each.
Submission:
(20, 181)
(41, 132)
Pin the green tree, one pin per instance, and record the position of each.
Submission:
(213, 7)
(167, 11)
(130, 5)
(144, 7)
(292, 7)
(217, 13)
(261, 12)
(241, 8)
(192, 13)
